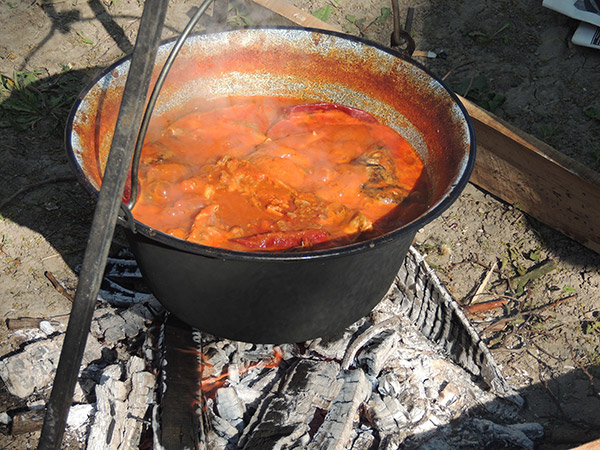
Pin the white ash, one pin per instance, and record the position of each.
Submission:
(34, 367)
(231, 408)
(5, 419)
(113, 385)
(46, 327)
(79, 415)
(123, 397)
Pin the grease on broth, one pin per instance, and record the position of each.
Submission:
(277, 174)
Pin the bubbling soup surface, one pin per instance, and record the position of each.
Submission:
(276, 174)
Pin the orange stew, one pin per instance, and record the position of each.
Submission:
(274, 174)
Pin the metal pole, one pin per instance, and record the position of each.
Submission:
(103, 224)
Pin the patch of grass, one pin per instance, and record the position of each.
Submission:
(592, 328)
(83, 40)
(535, 255)
(237, 17)
(354, 22)
(596, 155)
(485, 38)
(478, 90)
(359, 23)
(594, 357)
(568, 289)
(26, 98)
(324, 13)
(594, 113)
(549, 130)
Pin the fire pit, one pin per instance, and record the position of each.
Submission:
(283, 297)
(414, 373)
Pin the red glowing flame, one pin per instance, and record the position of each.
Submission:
(210, 384)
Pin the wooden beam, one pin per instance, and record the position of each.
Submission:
(514, 166)
(539, 180)
(594, 445)
(296, 15)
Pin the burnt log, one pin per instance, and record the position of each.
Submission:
(429, 306)
(337, 428)
(284, 416)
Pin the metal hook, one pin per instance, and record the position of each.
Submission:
(401, 38)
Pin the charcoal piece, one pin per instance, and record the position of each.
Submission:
(317, 379)
(180, 425)
(363, 439)
(34, 367)
(221, 434)
(335, 346)
(283, 417)
(336, 430)
(230, 407)
(114, 425)
(377, 352)
(388, 413)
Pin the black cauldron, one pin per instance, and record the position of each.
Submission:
(283, 297)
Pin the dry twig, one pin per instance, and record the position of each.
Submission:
(485, 281)
(593, 389)
(486, 306)
(501, 323)
(59, 287)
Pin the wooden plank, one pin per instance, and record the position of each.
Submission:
(594, 445)
(516, 167)
(296, 15)
(539, 180)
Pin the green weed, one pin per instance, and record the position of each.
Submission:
(568, 289)
(549, 130)
(83, 40)
(359, 23)
(478, 90)
(324, 13)
(485, 38)
(591, 327)
(237, 18)
(535, 255)
(594, 113)
(26, 98)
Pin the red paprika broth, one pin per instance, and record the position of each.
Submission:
(274, 174)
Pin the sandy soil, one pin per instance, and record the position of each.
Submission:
(515, 56)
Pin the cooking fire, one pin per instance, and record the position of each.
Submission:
(413, 373)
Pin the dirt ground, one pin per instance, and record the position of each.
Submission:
(513, 58)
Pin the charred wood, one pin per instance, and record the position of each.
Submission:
(432, 310)
(337, 429)
(180, 392)
(284, 415)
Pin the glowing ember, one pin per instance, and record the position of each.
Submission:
(210, 384)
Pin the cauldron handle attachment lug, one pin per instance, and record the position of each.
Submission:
(401, 38)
